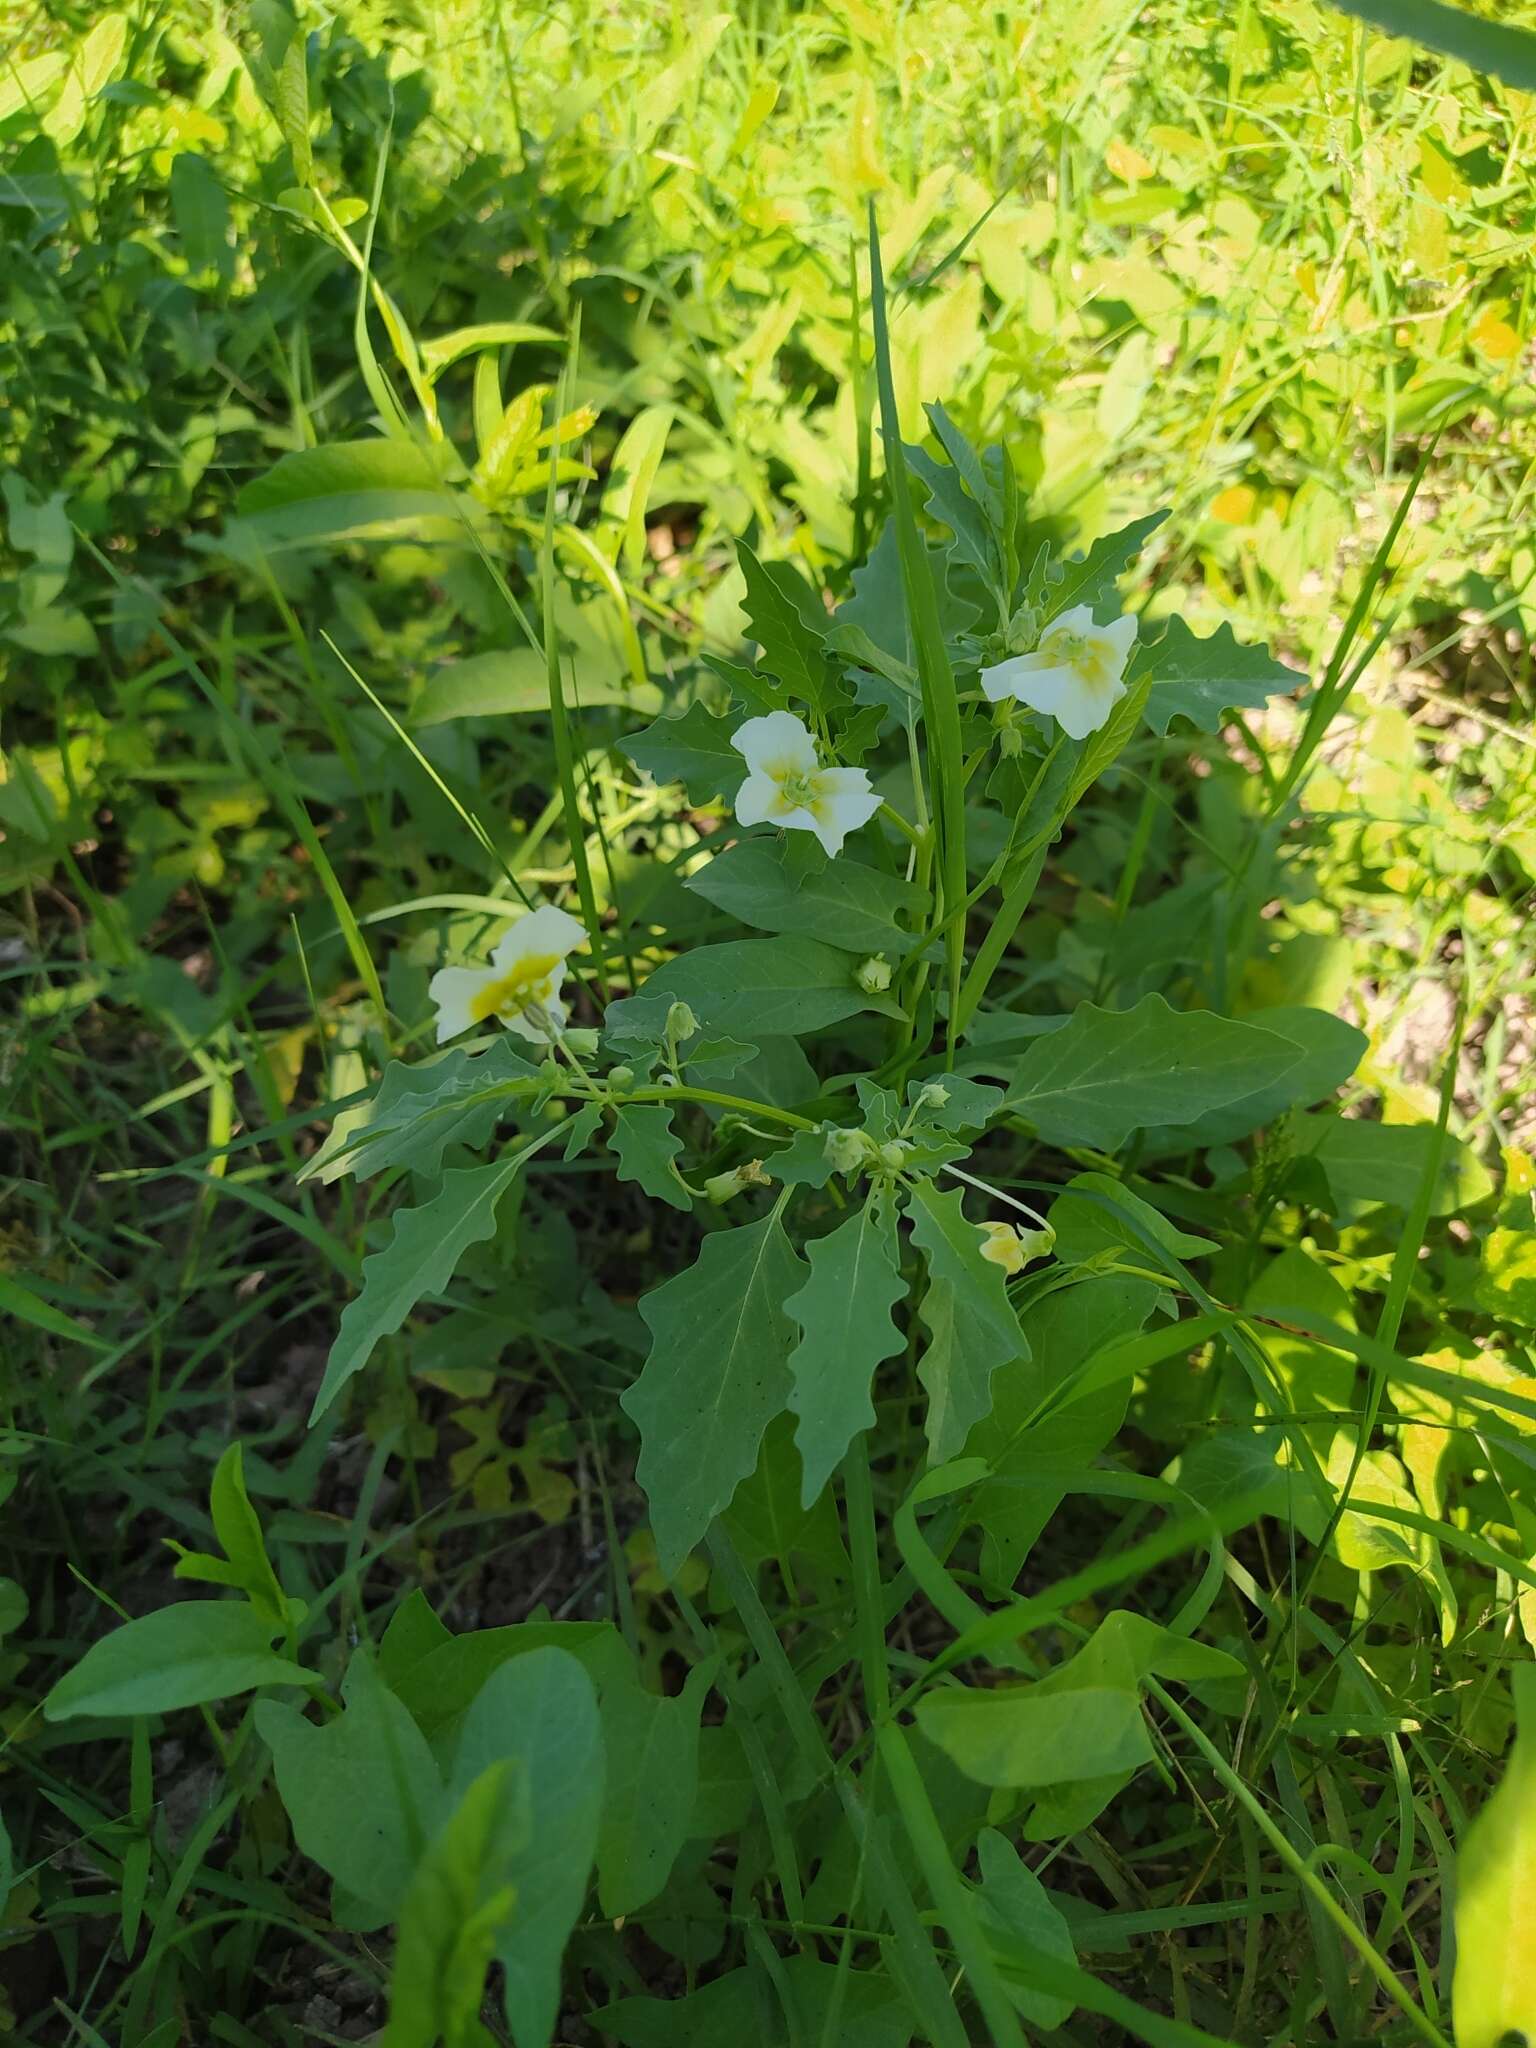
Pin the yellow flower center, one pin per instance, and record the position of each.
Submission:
(1086, 653)
(525, 982)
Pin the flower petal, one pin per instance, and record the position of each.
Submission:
(1077, 618)
(1062, 694)
(776, 744)
(845, 801)
(545, 930)
(757, 799)
(453, 990)
(1121, 633)
(1003, 678)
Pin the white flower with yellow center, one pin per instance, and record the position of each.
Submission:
(787, 785)
(520, 987)
(1076, 675)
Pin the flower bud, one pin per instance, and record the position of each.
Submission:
(847, 1150)
(681, 1022)
(932, 1095)
(874, 975)
(1012, 1249)
(721, 1186)
(621, 1077)
(894, 1154)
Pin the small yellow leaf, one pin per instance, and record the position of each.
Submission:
(1127, 162)
(1493, 1994)
(1493, 336)
(1236, 505)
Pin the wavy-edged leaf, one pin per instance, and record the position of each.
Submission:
(757, 988)
(972, 1329)
(181, 1656)
(846, 1330)
(1106, 1073)
(1201, 679)
(424, 1247)
(693, 748)
(791, 886)
(645, 1146)
(717, 1374)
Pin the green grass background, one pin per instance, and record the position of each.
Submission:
(1255, 263)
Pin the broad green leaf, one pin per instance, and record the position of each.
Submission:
(1493, 1993)
(1506, 1285)
(514, 682)
(1033, 1454)
(1083, 1721)
(949, 501)
(1288, 1287)
(757, 988)
(14, 1607)
(461, 1901)
(424, 1106)
(181, 1656)
(1329, 1050)
(348, 488)
(631, 474)
(1496, 47)
(791, 886)
(789, 623)
(1016, 1909)
(966, 1105)
(439, 1686)
(1369, 1165)
(425, 1246)
(645, 1147)
(1092, 578)
(539, 1711)
(844, 1314)
(972, 1329)
(361, 1788)
(652, 1747)
(1019, 1736)
(766, 1517)
(1106, 1073)
(1201, 680)
(871, 2011)
(717, 1374)
(362, 1791)
(1095, 1213)
(201, 213)
(444, 349)
(693, 749)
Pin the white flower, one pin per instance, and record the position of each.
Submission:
(521, 985)
(788, 786)
(1076, 673)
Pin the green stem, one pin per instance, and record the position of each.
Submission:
(1301, 1870)
(859, 1498)
(927, 1839)
(559, 721)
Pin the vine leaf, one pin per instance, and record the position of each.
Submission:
(972, 1328)
(844, 1313)
(716, 1376)
(1106, 1073)
(645, 1146)
(424, 1247)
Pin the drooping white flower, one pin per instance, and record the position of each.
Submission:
(787, 785)
(1076, 674)
(519, 987)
